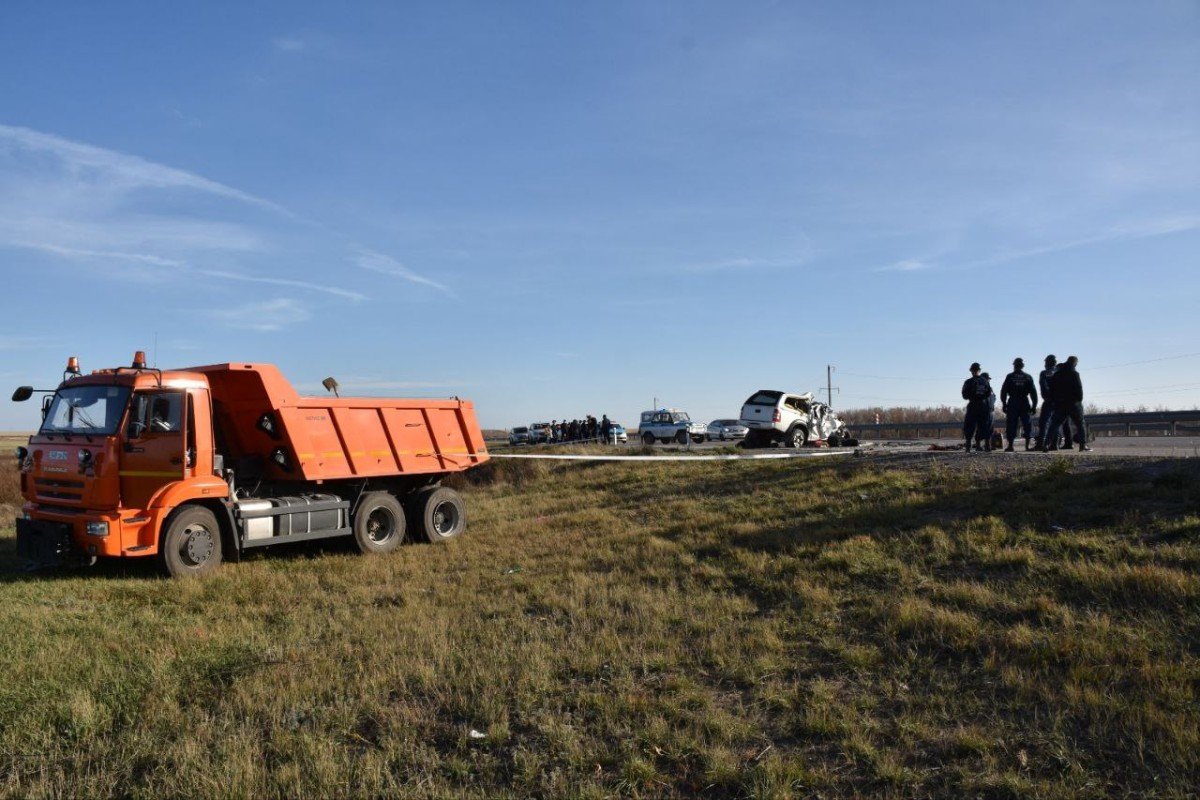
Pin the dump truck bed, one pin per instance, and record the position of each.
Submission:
(326, 438)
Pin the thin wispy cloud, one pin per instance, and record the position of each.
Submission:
(386, 265)
(84, 203)
(126, 170)
(906, 265)
(77, 252)
(27, 343)
(316, 287)
(288, 44)
(1121, 232)
(743, 264)
(265, 316)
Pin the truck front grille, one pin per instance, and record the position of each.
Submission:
(49, 489)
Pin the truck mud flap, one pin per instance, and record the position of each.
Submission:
(45, 544)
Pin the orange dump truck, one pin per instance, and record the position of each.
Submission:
(196, 465)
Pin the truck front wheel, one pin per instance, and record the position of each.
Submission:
(378, 523)
(191, 543)
(438, 513)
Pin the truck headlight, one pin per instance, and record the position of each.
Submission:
(97, 528)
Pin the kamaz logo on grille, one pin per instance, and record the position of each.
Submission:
(56, 455)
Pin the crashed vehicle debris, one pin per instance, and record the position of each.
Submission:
(795, 420)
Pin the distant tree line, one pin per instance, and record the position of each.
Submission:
(904, 415)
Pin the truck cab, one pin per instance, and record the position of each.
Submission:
(117, 450)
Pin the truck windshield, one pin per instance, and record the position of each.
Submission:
(91, 410)
(680, 416)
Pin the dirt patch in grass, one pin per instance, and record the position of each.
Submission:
(892, 625)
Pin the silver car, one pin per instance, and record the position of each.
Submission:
(723, 429)
(520, 436)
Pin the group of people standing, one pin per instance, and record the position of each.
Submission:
(1061, 412)
(581, 430)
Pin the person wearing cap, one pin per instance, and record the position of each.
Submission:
(1067, 389)
(1018, 398)
(977, 391)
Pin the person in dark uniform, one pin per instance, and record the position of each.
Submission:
(1067, 389)
(978, 393)
(1018, 398)
(1048, 407)
(605, 429)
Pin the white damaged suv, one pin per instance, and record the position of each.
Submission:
(793, 419)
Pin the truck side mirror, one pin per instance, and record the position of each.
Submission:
(22, 394)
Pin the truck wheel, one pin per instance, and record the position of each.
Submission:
(191, 543)
(438, 513)
(648, 439)
(681, 437)
(796, 438)
(378, 523)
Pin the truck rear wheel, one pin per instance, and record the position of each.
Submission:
(648, 439)
(191, 543)
(378, 523)
(437, 514)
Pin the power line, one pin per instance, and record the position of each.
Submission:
(1147, 361)
(895, 377)
(1170, 389)
(1086, 369)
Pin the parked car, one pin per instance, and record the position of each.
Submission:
(619, 431)
(670, 425)
(722, 429)
(519, 436)
(540, 433)
(793, 419)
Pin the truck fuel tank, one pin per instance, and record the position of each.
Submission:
(268, 517)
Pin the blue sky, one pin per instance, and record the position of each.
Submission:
(560, 208)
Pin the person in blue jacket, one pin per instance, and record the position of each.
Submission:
(1048, 407)
(1018, 398)
(984, 433)
(977, 391)
(1067, 389)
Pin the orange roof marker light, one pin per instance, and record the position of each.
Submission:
(73, 365)
(139, 359)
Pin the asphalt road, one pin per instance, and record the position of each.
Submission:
(1158, 446)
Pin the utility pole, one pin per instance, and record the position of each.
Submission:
(829, 368)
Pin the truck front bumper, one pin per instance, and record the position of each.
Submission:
(44, 543)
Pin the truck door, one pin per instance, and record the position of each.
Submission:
(153, 451)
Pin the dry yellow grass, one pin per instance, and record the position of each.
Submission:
(721, 630)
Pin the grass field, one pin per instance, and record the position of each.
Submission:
(893, 626)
